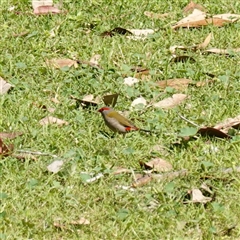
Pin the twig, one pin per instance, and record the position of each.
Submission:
(185, 119)
(37, 153)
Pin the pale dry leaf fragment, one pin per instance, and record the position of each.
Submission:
(43, 10)
(156, 15)
(206, 42)
(177, 83)
(173, 49)
(228, 17)
(158, 165)
(81, 221)
(95, 59)
(39, 3)
(10, 135)
(55, 166)
(222, 51)
(60, 63)
(188, 21)
(227, 124)
(4, 86)
(120, 170)
(198, 197)
(93, 179)
(130, 81)
(171, 102)
(139, 101)
(52, 120)
(88, 98)
(141, 32)
(110, 99)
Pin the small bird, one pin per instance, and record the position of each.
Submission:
(118, 123)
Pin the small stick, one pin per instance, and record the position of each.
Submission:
(37, 153)
(185, 119)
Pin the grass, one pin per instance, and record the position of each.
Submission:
(32, 198)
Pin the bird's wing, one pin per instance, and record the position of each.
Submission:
(121, 119)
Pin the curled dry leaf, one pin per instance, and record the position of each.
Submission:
(5, 150)
(191, 6)
(141, 181)
(4, 86)
(111, 99)
(171, 102)
(198, 18)
(226, 125)
(130, 81)
(158, 165)
(120, 170)
(206, 42)
(12, 135)
(60, 63)
(52, 120)
(213, 132)
(156, 15)
(198, 197)
(222, 51)
(177, 83)
(138, 101)
(55, 166)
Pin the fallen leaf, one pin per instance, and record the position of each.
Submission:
(206, 42)
(12, 135)
(60, 63)
(198, 197)
(120, 170)
(177, 83)
(173, 49)
(213, 132)
(24, 156)
(55, 100)
(141, 32)
(226, 125)
(170, 175)
(117, 30)
(204, 83)
(130, 81)
(222, 51)
(55, 166)
(198, 18)
(5, 150)
(81, 221)
(22, 34)
(89, 63)
(4, 86)
(183, 58)
(156, 15)
(158, 165)
(95, 59)
(191, 6)
(143, 180)
(111, 99)
(87, 101)
(52, 120)
(39, 3)
(138, 101)
(43, 10)
(139, 69)
(171, 102)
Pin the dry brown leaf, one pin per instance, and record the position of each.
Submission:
(60, 63)
(198, 197)
(204, 83)
(38, 3)
(222, 51)
(170, 175)
(120, 170)
(158, 165)
(22, 34)
(111, 99)
(198, 19)
(191, 6)
(4, 86)
(52, 120)
(177, 83)
(81, 221)
(213, 132)
(5, 150)
(12, 135)
(156, 15)
(226, 125)
(143, 180)
(206, 42)
(171, 102)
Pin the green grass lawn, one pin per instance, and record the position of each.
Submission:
(33, 200)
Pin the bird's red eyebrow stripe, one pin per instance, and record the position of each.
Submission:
(102, 109)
